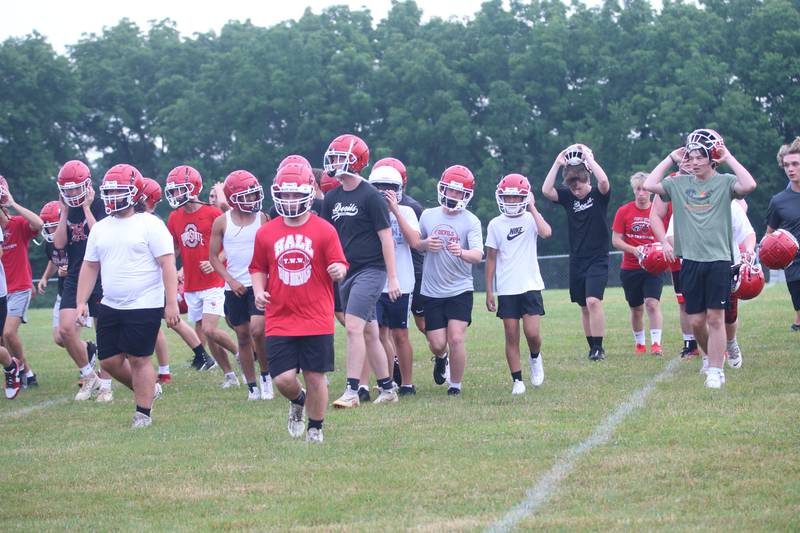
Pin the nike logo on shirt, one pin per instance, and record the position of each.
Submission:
(513, 233)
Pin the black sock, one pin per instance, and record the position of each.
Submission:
(140, 409)
(599, 342)
(199, 351)
(590, 341)
(264, 375)
(352, 383)
(535, 355)
(516, 376)
(385, 383)
(251, 386)
(300, 400)
(315, 423)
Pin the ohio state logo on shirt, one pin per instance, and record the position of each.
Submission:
(293, 254)
(191, 237)
(445, 233)
(78, 231)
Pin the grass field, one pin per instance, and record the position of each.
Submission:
(685, 459)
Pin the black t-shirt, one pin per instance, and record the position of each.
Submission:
(59, 259)
(784, 213)
(587, 223)
(416, 257)
(358, 215)
(316, 208)
(78, 233)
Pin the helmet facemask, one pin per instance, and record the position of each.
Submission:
(240, 201)
(292, 207)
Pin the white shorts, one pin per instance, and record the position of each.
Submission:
(207, 302)
(88, 323)
(18, 303)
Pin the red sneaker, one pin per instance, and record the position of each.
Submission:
(12, 380)
(165, 379)
(655, 349)
(641, 348)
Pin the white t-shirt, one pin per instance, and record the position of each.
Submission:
(741, 229)
(126, 249)
(402, 251)
(239, 243)
(514, 238)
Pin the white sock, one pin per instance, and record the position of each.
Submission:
(688, 337)
(266, 379)
(105, 383)
(655, 336)
(638, 337)
(87, 371)
(230, 375)
(163, 369)
(455, 386)
(29, 374)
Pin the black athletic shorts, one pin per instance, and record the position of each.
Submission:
(393, 315)
(676, 286)
(127, 331)
(794, 291)
(588, 277)
(69, 297)
(417, 299)
(705, 285)
(439, 311)
(516, 305)
(337, 299)
(311, 352)
(640, 284)
(239, 309)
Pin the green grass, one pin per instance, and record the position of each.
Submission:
(688, 459)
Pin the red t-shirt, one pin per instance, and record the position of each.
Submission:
(633, 224)
(16, 237)
(295, 259)
(191, 232)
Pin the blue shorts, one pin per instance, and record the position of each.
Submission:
(393, 315)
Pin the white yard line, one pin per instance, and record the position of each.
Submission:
(35, 407)
(549, 483)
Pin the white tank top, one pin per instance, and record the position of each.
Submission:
(238, 243)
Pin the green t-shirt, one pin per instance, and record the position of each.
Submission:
(701, 216)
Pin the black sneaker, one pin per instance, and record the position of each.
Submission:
(439, 369)
(397, 376)
(198, 361)
(592, 354)
(208, 363)
(452, 391)
(363, 394)
(688, 352)
(601, 354)
(407, 390)
(23, 379)
(795, 327)
(32, 381)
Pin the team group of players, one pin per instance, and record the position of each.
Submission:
(339, 244)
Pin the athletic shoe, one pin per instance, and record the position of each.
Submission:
(363, 394)
(23, 380)
(598, 354)
(714, 380)
(165, 379)
(230, 381)
(440, 369)
(407, 390)
(347, 400)
(198, 361)
(386, 396)
(517, 388)
(688, 353)
(537, 371)
(158, 392)
(13, 382)
(295, 423)
(640, 348)
(104, 395)
(734, 355)
(141, 420)
(397, 375)
(90, 384)
(655, 349)
(452, 391)
(795, 327)
(704, 367)
(314, 435)
(208, 363)
(254, 394)
(32, 381)
(266, 389)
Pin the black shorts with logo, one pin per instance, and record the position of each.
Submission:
(794, 292)
(417, 299)
(310, 352)
(239, 309)
(705, 285)
(517, 305)
(127, 331)
(640, 284)
(439, 311)
(588, 277)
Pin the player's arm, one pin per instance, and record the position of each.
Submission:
(543, 229)
(474, 254)
(91, 220)
(410, 234)
(49, 270)
(387, 249)
(656, 176)
(259, 289)
(214, 251)
(657, 213)
(745, 183)
(491, 265)
(618, 242)
(86, 282)
(170, 276)
(549, 185)
(30, 217)
(603, 183)
(60, 235)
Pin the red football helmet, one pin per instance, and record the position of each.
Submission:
(151, 193)
(513, 185)
(74, 182)
(328, 183)
(778, 249)
(347, 154)
(184, 183)
(747, 281)
(294, 158)
(394, 163)
(3, 191)
(243, 191)
(457, 180)
(297, 181)
(573, 156)
(50, 215)
(387, 178)
(652, 259)
(121, 188)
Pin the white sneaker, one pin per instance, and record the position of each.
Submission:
(537, 371)
(704, 368)
(267, 392)
(295, 423)
(387, 396)
(141, 420)
(314, 435)
(230, 381)
(734, 355)
(158, 392)
(714, 379)
(347, 400)
(90, 384)
(518, 387)
(254, 394)
(104, 396)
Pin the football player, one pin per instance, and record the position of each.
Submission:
(12, 368)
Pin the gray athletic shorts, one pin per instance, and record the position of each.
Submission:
(18, 303)
(360, 292)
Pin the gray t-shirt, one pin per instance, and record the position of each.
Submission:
(443, 274)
